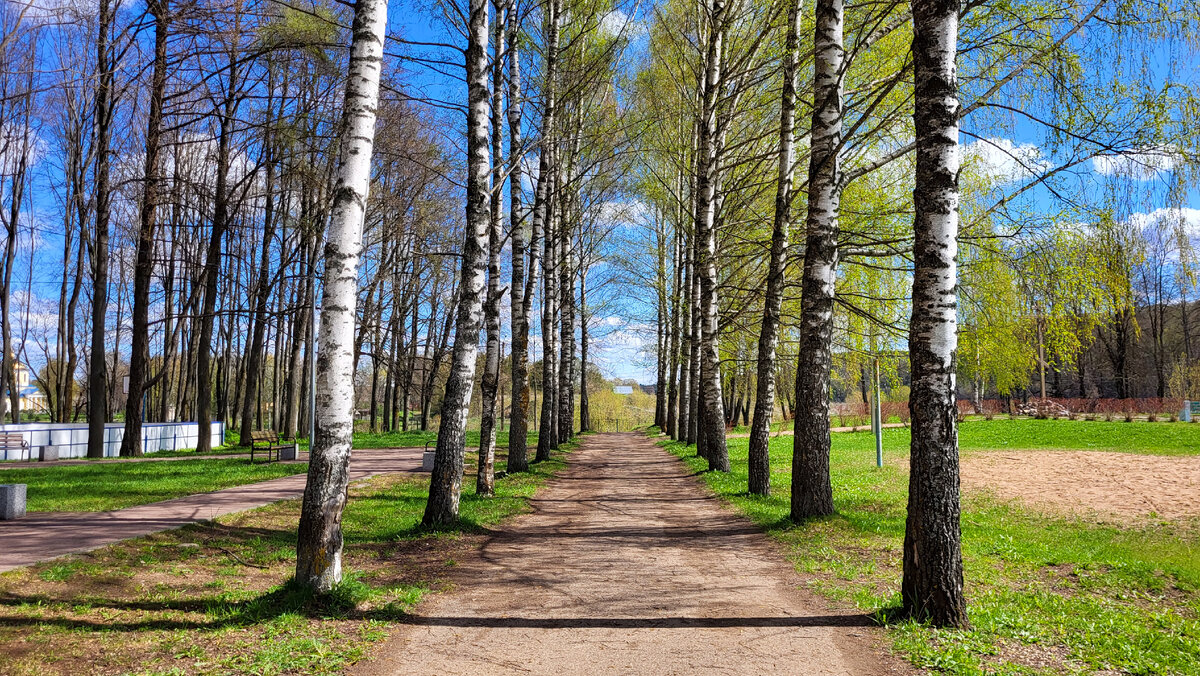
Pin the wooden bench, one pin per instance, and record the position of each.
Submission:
(14, 441)
(269, 441)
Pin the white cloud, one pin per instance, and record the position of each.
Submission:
(44, 12)
(1001, 160)
(1142, 164)
(633, 212)
(1171, 218)
(617, 22)
(14, 143)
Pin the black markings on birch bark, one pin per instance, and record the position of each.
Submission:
(446, 483)
(932, 585)
(768, 337)
(319, 536)
(812, 491)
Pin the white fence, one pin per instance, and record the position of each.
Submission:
(71, 439)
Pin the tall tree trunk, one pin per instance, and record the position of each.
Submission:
(932, 587)
(662, 317)
(446, 483)
(694, 409)
(812, 491)
(485, 477)
(713, 417)
(8, 374)
(542, 198)
(262, 294)
(684, 421)
(585, 410)
(212, 262)
(672, 412)
(566, 340)
(768, 336)
(521, 290)
(548, 418)
(97, 361)
(319, 539)
(139, 354)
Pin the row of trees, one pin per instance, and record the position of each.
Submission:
(556, 241)
(209, 152)
(1047, 240)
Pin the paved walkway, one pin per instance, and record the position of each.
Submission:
(46, 535)
(628, 566)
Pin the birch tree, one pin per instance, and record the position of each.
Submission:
(319, 539)
(523, 282)
(932, 586)
(485, 479)
(768, 337)
(812, 492)
(446, 483)
(713, 415)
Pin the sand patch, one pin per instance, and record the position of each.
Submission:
(1083, 482)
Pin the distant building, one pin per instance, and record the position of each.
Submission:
(623, 389)
(31, 396)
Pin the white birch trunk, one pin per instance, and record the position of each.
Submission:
(932, 587)
(713, 418)
(812, 491)
(768, 337)
(485, 476)
(521, 291)
(446, 483)
(319, 540)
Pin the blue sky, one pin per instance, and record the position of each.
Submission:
(623, 335)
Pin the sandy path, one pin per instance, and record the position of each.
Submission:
(47, 535)
(627, 566)
(1089, 482)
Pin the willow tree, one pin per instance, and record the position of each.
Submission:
(319, 537)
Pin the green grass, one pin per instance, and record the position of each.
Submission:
(1078, 597)
(1158, 438)
(214, 598)
(104, 486)
(417, 438)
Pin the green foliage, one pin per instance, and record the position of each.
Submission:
(312, 32)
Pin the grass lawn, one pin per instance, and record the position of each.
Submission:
(1047, 595)
(103, 486)
(1158, 438)
(417, 438)
(213, 598)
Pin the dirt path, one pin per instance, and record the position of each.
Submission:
(627, 566)
(46, 535)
